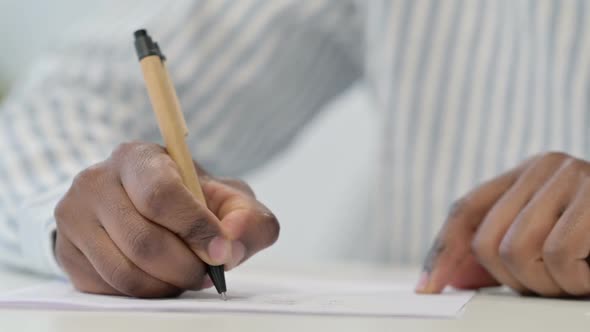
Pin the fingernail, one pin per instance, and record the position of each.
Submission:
(207, 283)
(422, 283)
(219, 250)
(238, 251)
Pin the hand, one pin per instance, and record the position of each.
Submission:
(528, 229)
(128, 226)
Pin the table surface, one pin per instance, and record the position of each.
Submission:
(490, 310)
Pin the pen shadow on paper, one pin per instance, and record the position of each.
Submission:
(207, 295)
(280, 298)
(198, 295)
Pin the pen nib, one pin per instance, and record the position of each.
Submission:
(223, 296)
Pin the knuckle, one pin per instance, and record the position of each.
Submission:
(509, 253)
(136, 152)
(575, 166)
(158, 193)
(516, 252)
(152, 160)
(61, 211)
(146, 244)
(121, 151)
(460, 208)
(555, 253)
(554, 156)
(483, 249)
(89, 179)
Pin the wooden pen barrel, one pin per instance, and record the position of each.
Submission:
(170, 120)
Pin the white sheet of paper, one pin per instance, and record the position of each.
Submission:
(259, 294)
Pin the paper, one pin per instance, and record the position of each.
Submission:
(259, 294)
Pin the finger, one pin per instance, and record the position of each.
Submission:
(486, 244)
(471, 275)
(452, 244)
(106, 259)
(522, 247)
(234, 183)
(118, 271)
(78, 268)
(246, 221)
(151, 247)
(205, 176)
(567, 247)
(153, 184)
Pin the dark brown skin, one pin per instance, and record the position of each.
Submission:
(528, 229)
(128, 226)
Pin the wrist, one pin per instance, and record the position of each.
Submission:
(37, 229)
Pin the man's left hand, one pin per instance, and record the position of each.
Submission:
(528, 229)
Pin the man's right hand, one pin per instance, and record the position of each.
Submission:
(128, 226)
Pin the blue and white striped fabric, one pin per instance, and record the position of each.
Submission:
(468, 89)
(465, 89)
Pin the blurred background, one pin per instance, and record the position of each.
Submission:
(28, 27)
(318, 203)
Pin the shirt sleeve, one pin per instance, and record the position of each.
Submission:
(249, 75)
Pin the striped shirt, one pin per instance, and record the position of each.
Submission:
(465, 89)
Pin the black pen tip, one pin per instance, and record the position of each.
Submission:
(217, 275)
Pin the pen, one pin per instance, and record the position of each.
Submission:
(172, 126)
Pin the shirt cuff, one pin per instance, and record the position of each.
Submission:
(37, 229)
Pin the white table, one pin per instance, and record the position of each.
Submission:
(493, 310)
